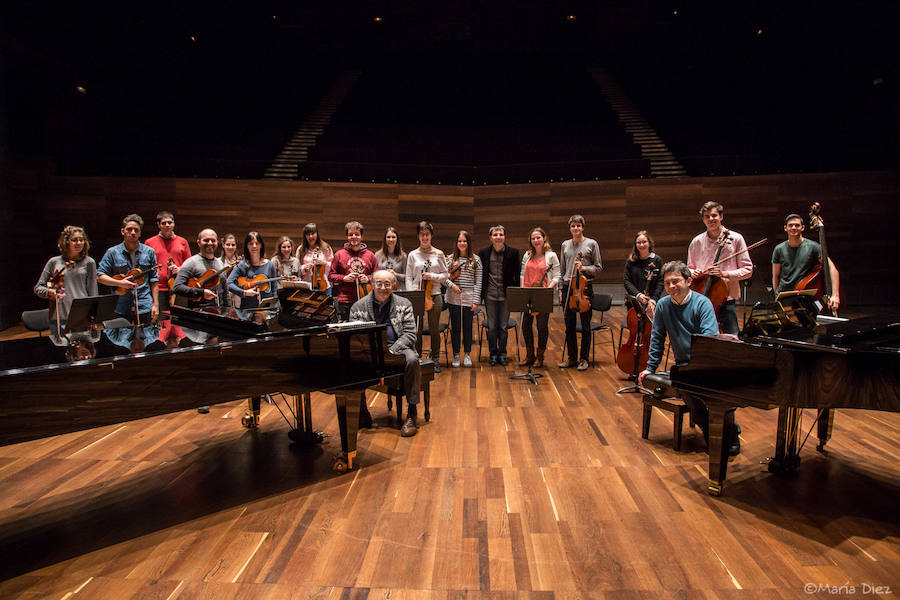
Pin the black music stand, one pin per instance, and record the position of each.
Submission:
(642, 323)
(529, 299)
(86, 313)
(417, 297)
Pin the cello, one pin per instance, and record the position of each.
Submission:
(578, 287)
(712, 286)
(633, 356)
(819, 278)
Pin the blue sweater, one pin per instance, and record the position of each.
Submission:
(694, 317)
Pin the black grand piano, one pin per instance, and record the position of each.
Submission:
(54, 385)
(790, 359)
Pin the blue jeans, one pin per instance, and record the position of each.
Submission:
(727, 316)
(497, 318)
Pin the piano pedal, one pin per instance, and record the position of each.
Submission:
(250, 420)
(786, 467)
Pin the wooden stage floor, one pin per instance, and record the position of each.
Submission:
(512, 491)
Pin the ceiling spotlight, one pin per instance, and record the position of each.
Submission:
(759, 32)
(675, 12)
(80, 89)
(193, 38)
(570, 18)
(274, 17)
(378, 19)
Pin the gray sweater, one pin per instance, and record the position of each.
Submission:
(80, 282)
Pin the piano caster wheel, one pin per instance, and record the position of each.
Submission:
(250, 421)
(339, 466)
(820, 447)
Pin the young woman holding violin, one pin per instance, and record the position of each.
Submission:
(426, 269)
(254, 278)
(286, 264)
(315, 258)
(72, 274)
(718, 279)
(228, 252)
(391, 256)
(580, 257)
(463, 295)
(540, 268)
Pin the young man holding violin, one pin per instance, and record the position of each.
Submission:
(580, 257)
(716, 244)
(796, 258)
(681, 315)
(131, 255)
(213, 291)
(352, 265)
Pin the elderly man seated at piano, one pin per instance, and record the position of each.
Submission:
(396, 312)
(680, 315)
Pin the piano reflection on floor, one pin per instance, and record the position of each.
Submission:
(791, 359)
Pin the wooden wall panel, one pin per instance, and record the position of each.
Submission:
(861, 210)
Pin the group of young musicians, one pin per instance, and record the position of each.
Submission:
(465, 280)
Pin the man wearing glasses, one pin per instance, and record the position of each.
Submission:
(396, 312)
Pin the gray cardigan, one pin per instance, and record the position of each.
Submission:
(402, 319)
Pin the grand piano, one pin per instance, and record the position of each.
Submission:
(790, 359)
(54, 385)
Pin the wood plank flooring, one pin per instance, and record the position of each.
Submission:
(511, 491)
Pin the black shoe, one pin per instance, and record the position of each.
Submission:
(437, 367)
(365, 417)
(493, 360)
(203, 410)
(409, 428)
(502, 360)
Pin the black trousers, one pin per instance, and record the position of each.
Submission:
(569, 316)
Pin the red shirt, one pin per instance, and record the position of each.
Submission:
(176, 248)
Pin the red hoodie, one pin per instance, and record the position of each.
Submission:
(349, 261)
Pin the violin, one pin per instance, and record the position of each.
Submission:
(260, 282)
(427, 285)
(55, 283)
(211, 278)
(171, 279)
(456, 271)
(819, 278)
(540, 284)
(578, 286)
(633, 356)
(362, 289)
(712, 286)
(135, 275)
(319, 282)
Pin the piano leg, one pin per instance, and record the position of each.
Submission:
(250, 420)
(721, 419)
(826, 422)
(348, 407)
(787, 442)
(303, 433)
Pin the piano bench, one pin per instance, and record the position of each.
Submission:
(663, 398)
(394, 389)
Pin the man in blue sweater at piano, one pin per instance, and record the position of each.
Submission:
(681, 315)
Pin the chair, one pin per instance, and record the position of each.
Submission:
(37, 320)
(599, 303)
(481, 320)
(444, 331)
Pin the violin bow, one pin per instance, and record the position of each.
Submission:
(747, 249)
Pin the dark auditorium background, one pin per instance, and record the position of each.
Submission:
(270, 114)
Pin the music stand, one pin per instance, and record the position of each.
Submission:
(417, 297)
(642, 324)
(86, 313)
(529, 299)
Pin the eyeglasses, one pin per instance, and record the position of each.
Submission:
(383, 284)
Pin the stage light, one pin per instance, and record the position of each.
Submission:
(274, 17)
(570, 18)
(81, 89)
(193, 38)
(759, 32)
(675, 12)
(378, 19)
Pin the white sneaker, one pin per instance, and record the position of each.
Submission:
(467, 362)
(455, 362)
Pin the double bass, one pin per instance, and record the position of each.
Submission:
(819, 278)
(633, 356)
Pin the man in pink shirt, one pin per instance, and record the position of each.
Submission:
(702, 254)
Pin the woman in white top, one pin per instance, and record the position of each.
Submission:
(423, 265)
(230, 256)
(463, 295)
(314, 251)
(540, 268)
(286, 264)
(391, 257)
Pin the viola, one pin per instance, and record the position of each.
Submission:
(427, 285)
(260, 282)
(578, 286)
(819, 278)
(211, 278)
(135, 275)
(319, 281)
(634, 354)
